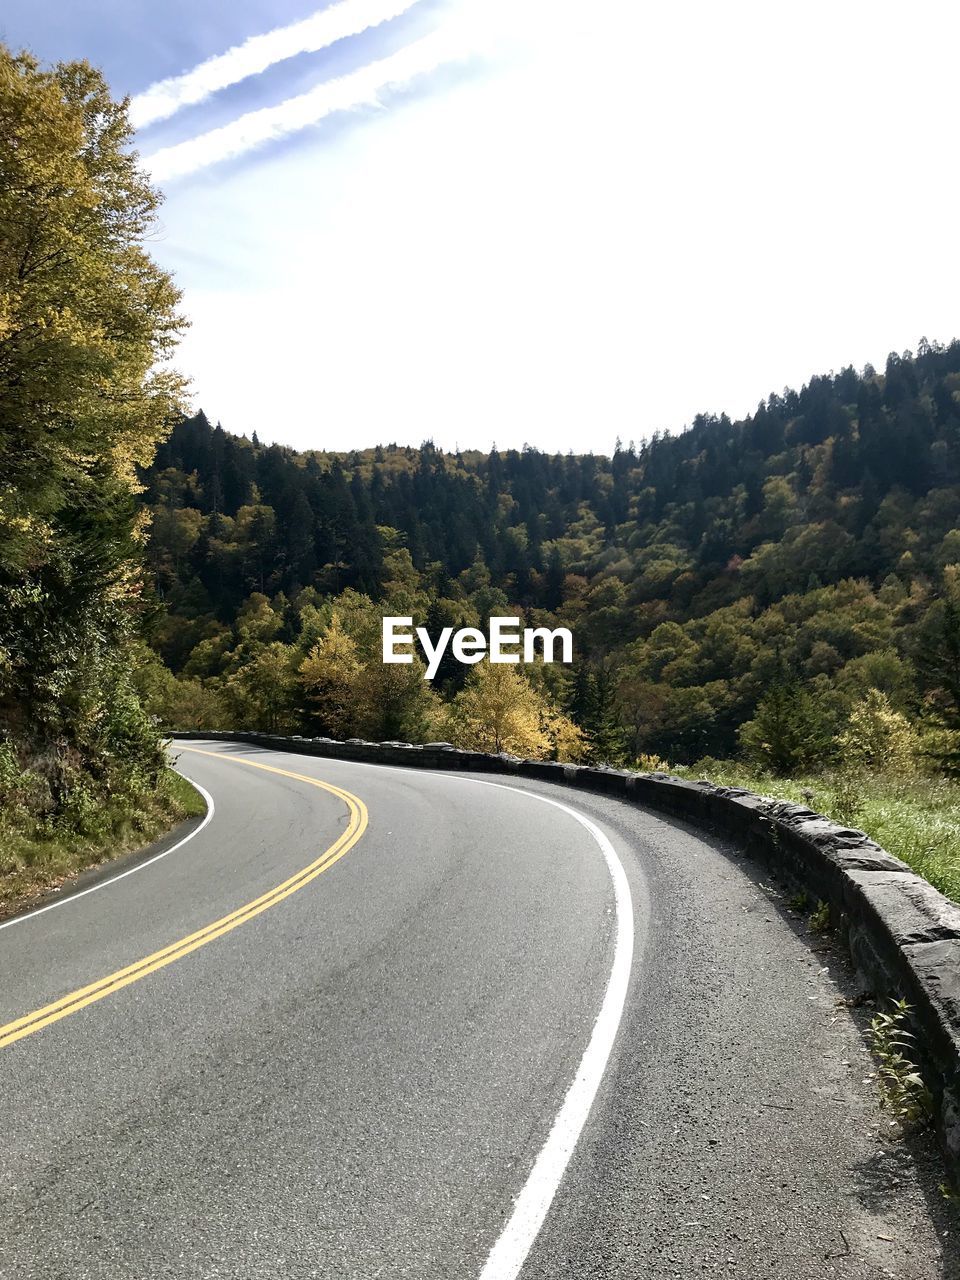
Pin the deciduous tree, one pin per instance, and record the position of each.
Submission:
(87, 321)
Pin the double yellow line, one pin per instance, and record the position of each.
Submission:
(76, 1000)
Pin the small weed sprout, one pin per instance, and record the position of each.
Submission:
(799, 902)
(819, 921)
(765, 815)
(902, 1090)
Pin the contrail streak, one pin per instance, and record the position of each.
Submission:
(358, 89)
(320, 30)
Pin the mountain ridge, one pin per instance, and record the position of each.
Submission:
(812, 534)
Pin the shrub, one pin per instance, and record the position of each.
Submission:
(646, 763)
(877, 737)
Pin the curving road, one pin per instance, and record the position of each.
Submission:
(373, 1022)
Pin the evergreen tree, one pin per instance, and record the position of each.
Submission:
(605, 723)
(790, 733)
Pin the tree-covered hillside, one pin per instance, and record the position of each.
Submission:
(805, 547)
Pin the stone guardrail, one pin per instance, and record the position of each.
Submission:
(903, 936)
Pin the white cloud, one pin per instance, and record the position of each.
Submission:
(319, 31)
(362, 88)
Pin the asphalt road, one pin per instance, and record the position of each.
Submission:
(338, 1035)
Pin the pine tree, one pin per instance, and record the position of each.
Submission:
(791, 731)
(605, 724)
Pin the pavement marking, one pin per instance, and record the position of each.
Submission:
(530, 1208)
(79, 999)
(122, 875)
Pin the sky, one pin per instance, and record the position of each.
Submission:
(540, 222)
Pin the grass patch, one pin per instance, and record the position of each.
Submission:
(43, 858)
(186, 795)
(914, 818)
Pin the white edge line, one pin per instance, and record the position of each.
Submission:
(104, 884)
(531, 1206)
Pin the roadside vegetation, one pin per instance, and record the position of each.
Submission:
(876, 770)
(903, 1093)
(40, 854)
(915, 818)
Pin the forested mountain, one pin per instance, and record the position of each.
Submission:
(805, 545)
